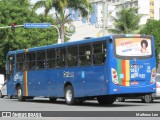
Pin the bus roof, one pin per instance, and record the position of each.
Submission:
(59, 45)
(83, 41)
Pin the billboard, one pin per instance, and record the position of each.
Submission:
(133, 46)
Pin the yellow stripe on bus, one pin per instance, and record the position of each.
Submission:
(25, 84)
(127, 73)
(25, 50)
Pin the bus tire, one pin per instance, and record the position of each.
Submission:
(19, 94)
(121, 99)
(1, 96)
(148, 98)
(69, 95)
(106, 100)
(52, 99)
(10, 96)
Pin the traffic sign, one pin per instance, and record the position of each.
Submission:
(37, 25)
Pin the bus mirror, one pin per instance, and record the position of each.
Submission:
(7, 67)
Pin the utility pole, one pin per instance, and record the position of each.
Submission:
(105, 16)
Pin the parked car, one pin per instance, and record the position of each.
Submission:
(146, 98)
(3, 91)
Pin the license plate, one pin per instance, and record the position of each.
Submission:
(134, 83)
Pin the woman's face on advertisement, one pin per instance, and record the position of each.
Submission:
(144, 45)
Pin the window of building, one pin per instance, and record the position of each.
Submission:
(61, 57)
(41, 59)
(151, 11)
(85, 55)
(51, 58)
(72, 56)
(20, 63)
(136, 3)
(151, 3)
(99, 53)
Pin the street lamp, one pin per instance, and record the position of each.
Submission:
(59, 38)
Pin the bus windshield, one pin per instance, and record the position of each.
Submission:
(133, 47)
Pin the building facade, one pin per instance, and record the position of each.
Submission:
(150, 9)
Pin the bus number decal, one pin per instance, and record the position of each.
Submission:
(68, 74)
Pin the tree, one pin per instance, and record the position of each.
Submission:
(127, 21)
(22, 38)
(60, 6)
(152, 27)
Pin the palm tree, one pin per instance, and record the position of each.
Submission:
(127, 21)
(60, 6)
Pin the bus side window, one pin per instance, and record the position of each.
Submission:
(99, 53)
(85, 55)
(61, 57)
(51, 58)
(31, 60)
(11, 64)
(20, 62)
(72, 56)
(41, 59)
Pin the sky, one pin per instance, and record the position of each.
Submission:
(39, 10)
(33, 1)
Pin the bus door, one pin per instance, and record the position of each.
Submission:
(10, 65)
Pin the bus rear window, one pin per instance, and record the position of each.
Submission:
(133, 47)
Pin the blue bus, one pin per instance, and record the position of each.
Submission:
(97, 68)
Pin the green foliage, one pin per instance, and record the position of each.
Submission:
(127, 21)
(152, 27)
(19, 12)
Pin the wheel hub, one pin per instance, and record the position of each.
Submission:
(69, 95)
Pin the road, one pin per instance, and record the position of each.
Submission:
(43, 104)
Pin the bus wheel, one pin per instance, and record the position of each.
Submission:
(10, 96)
(1, 96)
(69, 95)
(52, 99)
(106, 100)
(19, 94)
(148, 98)
(121, 99)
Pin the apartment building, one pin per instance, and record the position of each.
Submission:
(149, 8)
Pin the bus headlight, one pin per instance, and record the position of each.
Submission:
(114, 76)
(153, 76)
